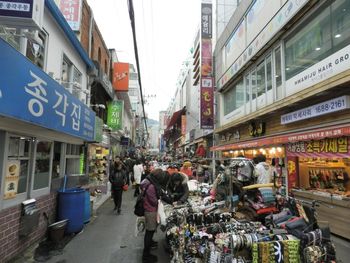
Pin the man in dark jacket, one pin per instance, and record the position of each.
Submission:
(118, 179)
(178, 188)
(151, 186)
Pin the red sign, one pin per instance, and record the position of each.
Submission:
(183, 124)
(71, 10)
(207, 104)
(121, 76)
(319, 134)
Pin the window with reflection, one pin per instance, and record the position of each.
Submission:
(234, 98)
(260, 79)
(321, 35)
(19, 153)
(42, 165)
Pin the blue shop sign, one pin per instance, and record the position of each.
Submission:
(29, 94)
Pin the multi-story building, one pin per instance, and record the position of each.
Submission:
(45, 119)
(282, 72)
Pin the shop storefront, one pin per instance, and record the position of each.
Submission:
(319, 170)
(43, 135)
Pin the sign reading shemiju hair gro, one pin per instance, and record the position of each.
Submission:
(27, 93)
(115, 115)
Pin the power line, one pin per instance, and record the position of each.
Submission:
(132, 21)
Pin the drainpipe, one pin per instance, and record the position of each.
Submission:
(90, 32)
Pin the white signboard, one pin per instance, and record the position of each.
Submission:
(330, 66)
(329, 106)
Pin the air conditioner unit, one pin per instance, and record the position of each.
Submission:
(26, 14)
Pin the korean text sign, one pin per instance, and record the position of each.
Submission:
(115, 115)
(207, 103)
(71, 10)
(121, 76)
(29, 94)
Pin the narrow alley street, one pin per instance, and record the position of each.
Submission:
(110, 238)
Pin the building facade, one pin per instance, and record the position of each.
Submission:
(282, 72)
(45, 122)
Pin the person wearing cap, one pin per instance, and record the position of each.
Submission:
(186, 169)
(178, 188)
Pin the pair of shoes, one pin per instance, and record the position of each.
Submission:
(149, 258)
(119, 211)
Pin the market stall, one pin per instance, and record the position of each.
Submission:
(319, 170)
(210, 230)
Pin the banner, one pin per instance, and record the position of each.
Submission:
(207, 104)
(206, 81)
(71, 10)
(206, 20)
(98, 129)
(121, 76)
(115, 115)
(183, 124)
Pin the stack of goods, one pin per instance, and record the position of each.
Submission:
(198, 232)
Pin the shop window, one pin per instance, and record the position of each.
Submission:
(268, 73)
(253, 84)
(77, 77)
(36, 51)
(247, 88)
(234, 98)
(278, 73)
(340, 23)
(42, 165)
(318, 37)
(11, 36)
(66, 76)
(56, 163)
(19, 153)
(74, 159)
(260, 79)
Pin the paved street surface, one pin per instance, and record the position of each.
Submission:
(110, 238)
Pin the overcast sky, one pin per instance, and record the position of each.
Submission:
(165, 32)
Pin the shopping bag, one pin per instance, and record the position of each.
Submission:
(161, 218)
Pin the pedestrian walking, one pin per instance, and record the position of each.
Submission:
(138, 170)
(152, 187)
(118, 179)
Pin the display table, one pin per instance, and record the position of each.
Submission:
(335, 211)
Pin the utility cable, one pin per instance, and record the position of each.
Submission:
(132, 21)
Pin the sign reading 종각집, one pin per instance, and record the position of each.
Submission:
(29, 94)
(115, 115)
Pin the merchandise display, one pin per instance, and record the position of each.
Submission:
(98, 165)
(212, 228)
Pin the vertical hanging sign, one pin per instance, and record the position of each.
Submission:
(206, 82)
(115, 115)
(183, 125)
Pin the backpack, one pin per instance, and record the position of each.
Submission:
(139, 210)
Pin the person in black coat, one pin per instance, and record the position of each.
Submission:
(178, 188)
(118, 178)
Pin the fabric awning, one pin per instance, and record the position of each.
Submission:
(312, 134)
(175, 118)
